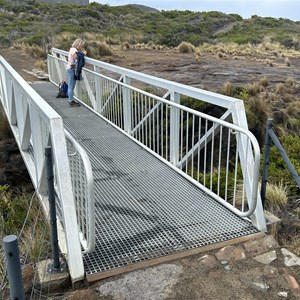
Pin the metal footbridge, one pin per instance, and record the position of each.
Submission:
(140, 178)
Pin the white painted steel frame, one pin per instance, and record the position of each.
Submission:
(36, 125)
(85, 199)
(235, 110)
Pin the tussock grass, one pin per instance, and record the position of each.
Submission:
(254, 89)
(293, 109)
(228, 89)
(269, 62)
(293, 124)
(220, 55)
(125, 46)
(264, 81)
(279, 88)
(140, 46)
(98, 49)
(287, 98)
(265, 49)
(63, 40)
(287, 62)
(276, 197)
(185, 47)
(259, 106)
(198, 54)
(257, 112)
(35, 51)
(40, 65)
(150, 46)
(290, 81)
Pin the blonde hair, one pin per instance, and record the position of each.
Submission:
(78, 44)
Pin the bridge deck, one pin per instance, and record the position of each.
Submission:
(145, 211)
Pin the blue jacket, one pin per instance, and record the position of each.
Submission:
(79, 65)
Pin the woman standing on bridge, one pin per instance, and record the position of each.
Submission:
(77, 47)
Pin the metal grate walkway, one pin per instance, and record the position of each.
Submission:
(144, 209)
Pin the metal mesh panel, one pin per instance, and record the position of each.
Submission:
(79, 183)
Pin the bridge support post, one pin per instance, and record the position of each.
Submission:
(51, 196)
(266, 162)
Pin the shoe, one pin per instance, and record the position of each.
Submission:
(74, 104)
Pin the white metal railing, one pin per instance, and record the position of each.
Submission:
(218, 154)
(36, 125)
(83, 189)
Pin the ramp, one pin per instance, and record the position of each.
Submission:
(146, 212)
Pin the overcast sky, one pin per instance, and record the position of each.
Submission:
(289, 9)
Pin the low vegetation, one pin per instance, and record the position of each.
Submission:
(37, 23)
(21, 215)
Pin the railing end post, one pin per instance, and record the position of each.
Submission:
(12, 257)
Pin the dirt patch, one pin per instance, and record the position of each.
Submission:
(209, 71)
(20, 62)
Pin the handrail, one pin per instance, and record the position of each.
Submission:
(87, 238)
(34, 125)
(210, 97)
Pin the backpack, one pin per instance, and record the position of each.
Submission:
(62, 90)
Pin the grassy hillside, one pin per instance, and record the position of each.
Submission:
(34, 23)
